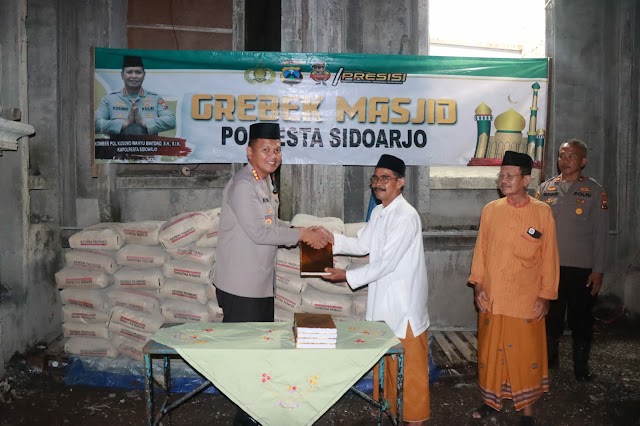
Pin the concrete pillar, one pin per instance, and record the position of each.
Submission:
(337, 26)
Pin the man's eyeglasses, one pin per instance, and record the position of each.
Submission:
(384, 179)
(506, 176)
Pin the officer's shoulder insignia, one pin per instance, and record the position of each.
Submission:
(593, 181)
(537, 195)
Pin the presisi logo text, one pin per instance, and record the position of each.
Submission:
(343, 76)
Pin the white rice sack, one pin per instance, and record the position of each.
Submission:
(329, 287)
(91, 259)
(215, 311)
(139, 279)
(128, 347)
(177, 311)
(341, 262)
(103, 236)
(290, 283)
(74, 313)
(206, 255)
(360, 260)
(186, 291)
(211, 292)
(143, 233)
(184, 270)
(288, 301)
(82, 278)
(136, 300)
(288, 261)
(332, 224)
(353, 229)
(138, 256)
(317, 302)
(360, 305)
(117, 329)
(79, 329)
(86, 298)
(141, 321)
(184, 229)
(282, 315)
(210, 237)
(87, 346)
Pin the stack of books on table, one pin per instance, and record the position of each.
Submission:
(314, 331)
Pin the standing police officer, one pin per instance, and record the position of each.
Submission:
(133, 110)
(580, 208)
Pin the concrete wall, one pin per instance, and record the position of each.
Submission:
(47, 185)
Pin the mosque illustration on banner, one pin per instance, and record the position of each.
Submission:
(508, 136)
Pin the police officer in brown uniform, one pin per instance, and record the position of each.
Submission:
(580, 209)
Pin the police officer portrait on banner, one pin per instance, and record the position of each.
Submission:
(133, 110)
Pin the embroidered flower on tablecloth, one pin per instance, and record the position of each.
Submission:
(359, 341)
(289, 396)
(209, 330)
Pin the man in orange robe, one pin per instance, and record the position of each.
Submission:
(515, 273)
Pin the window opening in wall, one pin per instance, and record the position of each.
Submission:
(489, 28)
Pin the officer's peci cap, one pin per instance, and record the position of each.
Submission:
(512, 158)
(264, 131)
(392, 163)
(132, 61)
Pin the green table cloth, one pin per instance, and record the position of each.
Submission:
(257, 366)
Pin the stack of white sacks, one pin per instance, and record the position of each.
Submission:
(123, 281)
(315, 295)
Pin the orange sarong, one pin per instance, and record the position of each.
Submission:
(512, 360)
(415, 397)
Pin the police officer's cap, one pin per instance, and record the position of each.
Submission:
(392, 163)
(132, 61)
(512, 158)
(264, 131)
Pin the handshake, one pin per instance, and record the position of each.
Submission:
(316, 236)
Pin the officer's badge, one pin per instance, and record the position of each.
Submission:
(162, 103)
(149, 115)
(120, 115)
(605, 201)
(552, 188)
(121, 104)
(578, 211)
(268, 220)
(269, 210)
(147, 103)
(585, 189)
(549, 200)
(579, 201)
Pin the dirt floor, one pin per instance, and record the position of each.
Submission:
(32, 397)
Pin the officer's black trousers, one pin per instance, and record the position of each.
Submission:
(245, 309)
(574, 299)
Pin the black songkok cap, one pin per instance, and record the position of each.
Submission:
(132, 61)
(512, 158)
(392, 163)
(264, 131)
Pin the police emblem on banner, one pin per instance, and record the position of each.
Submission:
(259, 75)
